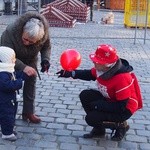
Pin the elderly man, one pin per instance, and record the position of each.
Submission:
(28, 36)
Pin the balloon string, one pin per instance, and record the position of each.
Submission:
(64, 72)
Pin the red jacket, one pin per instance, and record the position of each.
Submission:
(120, 87)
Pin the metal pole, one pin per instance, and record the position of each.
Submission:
(137, 15)
(20, 10)
(22, 6)
(39, 6)
(146, 21)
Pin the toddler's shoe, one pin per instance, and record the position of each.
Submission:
(10, 137)
(14, 132)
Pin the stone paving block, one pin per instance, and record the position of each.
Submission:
(60, 115)
(55, 126)
(56, 101)
(23, 141)
(75, 116)
(47, 119)
(78, 133)
(128, 145)
(49, 137)
(145, 146)
(7, 146)
(148, 127)
(75, 127)
(74, 107)
(49, 110)
(64, 111)
(67, 139)
(68, 146)
(51, 149)
(145, 122)
(91, 142)
(33, 136)
(136, 138)
(45, 144)
(63, 132)
(85, 147)
(20, 123)
(65, 120)
(104, 141)
(81, 122)
(69, 102)
(138, 117)
(25, 129)
(137, 126)
(143, 133)
(29, 148)
(71, 95)
(55, 93)
(42, 114)
(78, 112)
(35, 126)
(60, 106)
(132, 131)
(45, 105)
(116, 149)
(44, 131)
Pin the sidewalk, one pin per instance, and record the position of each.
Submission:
(57, 101)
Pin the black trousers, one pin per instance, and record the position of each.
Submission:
(94, 118)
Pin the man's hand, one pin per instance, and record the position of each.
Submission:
(45, 66)
(30, 71)
(64, 73)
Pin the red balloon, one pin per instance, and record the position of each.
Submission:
(70, 59)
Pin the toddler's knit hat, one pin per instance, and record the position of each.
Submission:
(7, 55)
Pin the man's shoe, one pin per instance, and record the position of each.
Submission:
(95, 133)
(10, 137)
(120, 132)
(31, 118)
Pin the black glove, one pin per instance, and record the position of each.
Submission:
(45, 65)
(64, 73)
(95, 105)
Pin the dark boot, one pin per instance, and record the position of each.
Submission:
(120, 131)
(96, 132)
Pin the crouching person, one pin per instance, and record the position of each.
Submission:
(117, 96)
(10, 83)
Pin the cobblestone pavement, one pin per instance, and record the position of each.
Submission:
(57, 101)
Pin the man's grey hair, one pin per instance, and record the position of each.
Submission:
(34, 28)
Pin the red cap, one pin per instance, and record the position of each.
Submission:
(104, 54)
